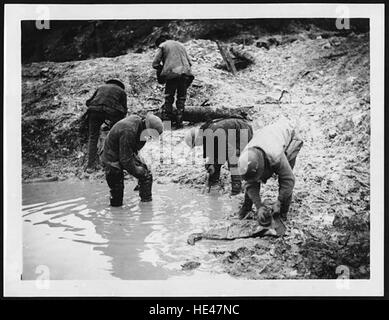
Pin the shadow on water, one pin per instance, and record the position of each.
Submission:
(69, 227)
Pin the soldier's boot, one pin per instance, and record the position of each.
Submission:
(246, 207)
(179, 124)
(115, 182)
(145, 186)
(180, 107)
(167, 110)
(236, 185)
(116, 199)
(215, 177)
(178, 116)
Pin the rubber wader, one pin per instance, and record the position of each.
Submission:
(115, 180)
(236, 185)
(145, 186)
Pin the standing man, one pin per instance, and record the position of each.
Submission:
(109, 102)
(222, 140)
(173, 68)
(120, 152)
(273, 149)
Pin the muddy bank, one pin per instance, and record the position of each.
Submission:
(327, 93)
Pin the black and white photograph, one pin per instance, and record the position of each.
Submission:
(207, 150)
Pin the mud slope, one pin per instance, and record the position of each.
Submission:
(327, 83)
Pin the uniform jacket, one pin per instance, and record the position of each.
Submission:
(174, 58)
(108, 97)
(273, 140)
(123, 143)
(232, 148)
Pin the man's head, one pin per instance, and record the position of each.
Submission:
(162, 38)
(251, 164)
(115, 81)
(153, 122)
(193, 138)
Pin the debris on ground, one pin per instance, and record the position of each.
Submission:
(190, 265)
(235, 58)
(233, 230)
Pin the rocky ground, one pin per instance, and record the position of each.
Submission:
(327, 84)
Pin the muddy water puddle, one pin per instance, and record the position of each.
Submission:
(69, 228)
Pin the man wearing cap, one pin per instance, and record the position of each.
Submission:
(120, 152)
(109, 102)
(273, 149)
(222, 140)
(173, 68)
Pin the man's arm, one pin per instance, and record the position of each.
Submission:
(253, 189)
(187, 56)
(124, 101)
(127, 158)
(158, 59)
(286, 181)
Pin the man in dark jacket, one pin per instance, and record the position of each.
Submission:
(272, 150)
(222, 140)
(109, 102)
(173, 67)
(120, 152)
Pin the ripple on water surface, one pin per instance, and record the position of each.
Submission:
(69, 227)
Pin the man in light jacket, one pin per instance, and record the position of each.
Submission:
(173, 68)
(273, 149)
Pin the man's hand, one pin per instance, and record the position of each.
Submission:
(264, 216)
(140, 171)
(211, 170)
(276, 207)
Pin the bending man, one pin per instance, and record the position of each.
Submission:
(109, 102)
(273, 149)
(222, 140)
(120, 152)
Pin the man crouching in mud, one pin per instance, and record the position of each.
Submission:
(273, 149)
(120, 151)
(222, 140)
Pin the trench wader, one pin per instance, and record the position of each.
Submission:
(145, 186)
(236, 180)
(96, 116)
(291, 152)
(115, 180)
(236, 185)
(145, 182)
(177, 86)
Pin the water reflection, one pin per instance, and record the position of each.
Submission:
(70, 228)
